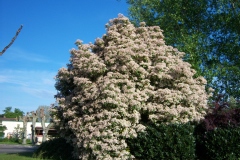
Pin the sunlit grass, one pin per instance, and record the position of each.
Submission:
(5, 141)
(15, 143)
(19, 156)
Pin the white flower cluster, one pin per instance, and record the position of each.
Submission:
(109, 84)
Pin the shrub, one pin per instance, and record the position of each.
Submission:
(219, 144)
(11, 139)
(217, 134)
(14, 140)
(126, 78)
(223, 144)
(2, 129)
(55, 149)
(175, 142)
(17, 134)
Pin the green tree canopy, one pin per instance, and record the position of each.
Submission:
(207, 31)
(8, 113)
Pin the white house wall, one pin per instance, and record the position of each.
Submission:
(11, 125)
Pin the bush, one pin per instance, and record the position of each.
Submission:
(223, 144)
(55, 149)
(12, 140)
(218, 133)
(2, 129)
(175, 141)
(109, 85)
(219, 144)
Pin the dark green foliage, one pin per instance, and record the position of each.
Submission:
(217, 136)
(2, 129)
(219, 144)
(14, 140)
(8, 113)
(174, 141)
(223, 144)
(55, 149)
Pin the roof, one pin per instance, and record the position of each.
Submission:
(8, 119)
(40, 128)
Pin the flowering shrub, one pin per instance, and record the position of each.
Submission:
(109, 85)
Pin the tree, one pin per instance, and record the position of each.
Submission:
(206, 30)
(33, 116)
(25, 119)
(17, 133)
(43, 113)
(7, 109)
(46, 112)
(8, 113)
(125, 80)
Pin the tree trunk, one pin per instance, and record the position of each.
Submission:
(24, 130)
(47, 129)
(34, 119)
(44, 128)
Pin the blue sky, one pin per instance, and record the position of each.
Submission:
(50, 29)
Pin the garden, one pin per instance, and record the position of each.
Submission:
(130, 96)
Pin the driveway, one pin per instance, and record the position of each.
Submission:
(16, 148)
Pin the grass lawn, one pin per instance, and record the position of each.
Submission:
(18, 156)
(13, 143)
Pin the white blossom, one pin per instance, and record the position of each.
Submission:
(110, 83)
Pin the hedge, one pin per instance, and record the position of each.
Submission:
(174, 141)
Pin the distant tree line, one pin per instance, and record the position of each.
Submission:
(8, 113)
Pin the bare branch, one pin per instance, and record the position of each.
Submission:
(13, 39)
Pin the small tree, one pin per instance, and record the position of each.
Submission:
(17, 133)
(25, 119)
(126, 79)
(34, 119)
(45, 110)
(44, 116)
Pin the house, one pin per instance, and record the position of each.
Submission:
(12, 124)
